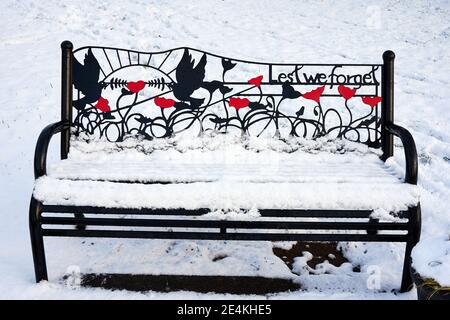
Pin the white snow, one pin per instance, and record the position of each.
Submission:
(229, 159)
(225, 174)
(433, 264)
(227, 195)
(285, 31)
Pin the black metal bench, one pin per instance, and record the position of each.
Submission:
(198, 92)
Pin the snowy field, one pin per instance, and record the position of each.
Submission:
(288, 31)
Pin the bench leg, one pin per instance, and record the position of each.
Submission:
(37, 240)
(413, 238)
(80, 226)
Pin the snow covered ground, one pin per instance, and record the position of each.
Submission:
(285, 31)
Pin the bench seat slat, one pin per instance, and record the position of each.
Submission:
(225, 224)
(224, 236)
(297, 213)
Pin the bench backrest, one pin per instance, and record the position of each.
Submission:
(119, 92)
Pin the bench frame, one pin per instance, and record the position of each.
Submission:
(224, 229)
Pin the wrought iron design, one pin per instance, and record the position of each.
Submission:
(124, 92)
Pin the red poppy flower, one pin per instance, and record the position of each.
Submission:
(103, 105)
(314, 94)
(163, 102)
(371, 101)
(135, 87)
(256, 81)
(346, 92)
(238, 103)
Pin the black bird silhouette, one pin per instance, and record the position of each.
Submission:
(189, 79)
(85, 79)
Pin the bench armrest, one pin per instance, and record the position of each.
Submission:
(410, 151)
(40, 153)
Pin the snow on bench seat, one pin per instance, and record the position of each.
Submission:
(226, 195)
(225, 175)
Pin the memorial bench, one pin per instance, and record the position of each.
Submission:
(164, 145)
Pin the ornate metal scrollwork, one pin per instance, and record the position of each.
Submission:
(191, 90)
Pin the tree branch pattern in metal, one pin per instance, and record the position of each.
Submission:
(155, 95)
